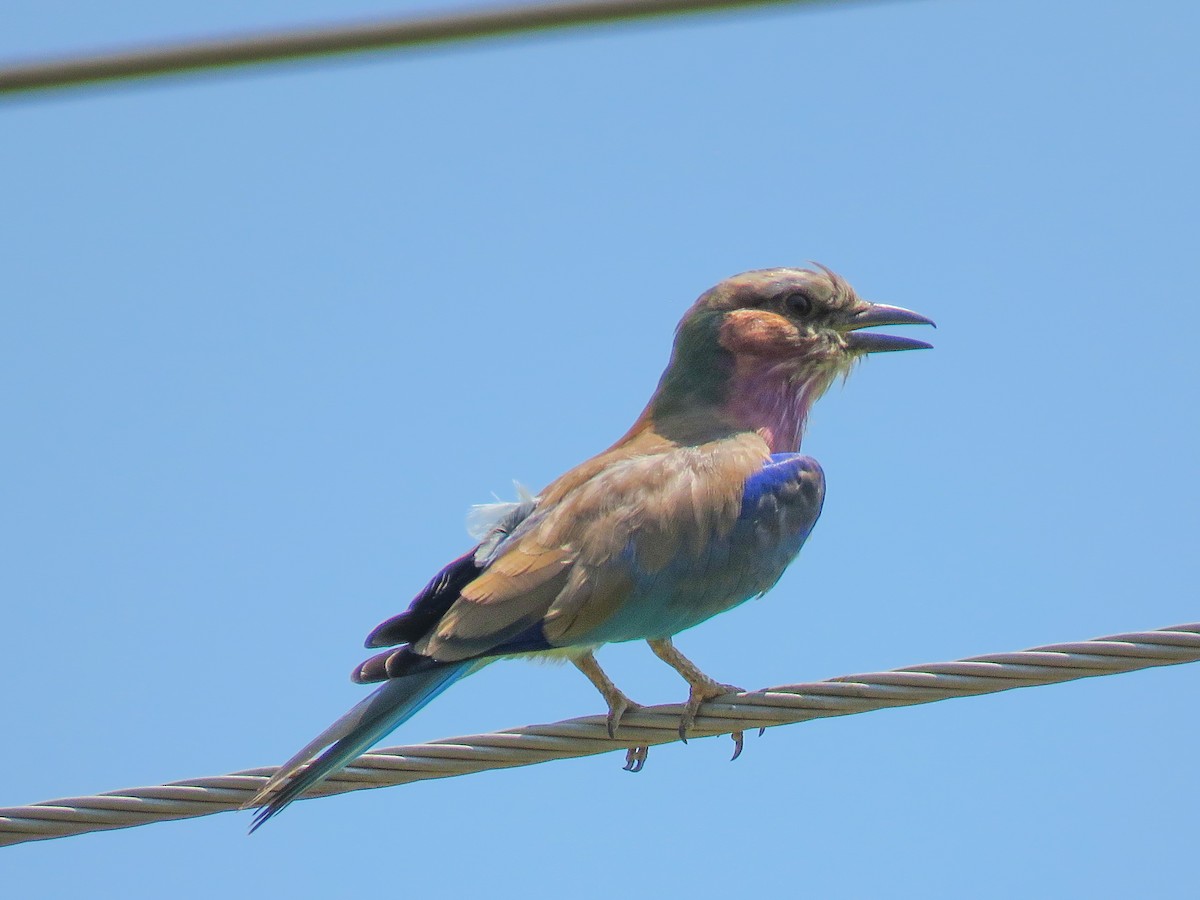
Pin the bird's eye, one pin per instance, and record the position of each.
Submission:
(798, 304)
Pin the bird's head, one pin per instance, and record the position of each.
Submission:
(759, 349)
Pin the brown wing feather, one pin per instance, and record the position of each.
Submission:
(571, 570)
(513, 594)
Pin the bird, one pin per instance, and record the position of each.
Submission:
(700, 506)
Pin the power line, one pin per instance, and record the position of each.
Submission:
(645, 727)
(385, 34)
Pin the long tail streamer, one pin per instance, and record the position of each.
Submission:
(389, 706)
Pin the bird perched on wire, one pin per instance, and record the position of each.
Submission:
(700, 506)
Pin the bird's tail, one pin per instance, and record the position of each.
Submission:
(394, 702)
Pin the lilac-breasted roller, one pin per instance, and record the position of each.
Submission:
(699, 507)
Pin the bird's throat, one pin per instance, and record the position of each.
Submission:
(773, 400)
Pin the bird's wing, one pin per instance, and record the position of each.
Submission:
(780, 505)
(571, 564)
(429, 605)
(674, 582)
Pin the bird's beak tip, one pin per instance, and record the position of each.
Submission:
(882, 314)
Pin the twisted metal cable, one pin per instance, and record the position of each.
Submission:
(587, 736)
(384, 34)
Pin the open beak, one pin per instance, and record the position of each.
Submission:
(882, 314)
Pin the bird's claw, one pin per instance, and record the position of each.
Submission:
(617, 708)
(635, 758)
(701, 693)
(739, 739)
(738, 742)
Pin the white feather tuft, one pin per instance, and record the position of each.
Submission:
(482, 518)
(492, 523)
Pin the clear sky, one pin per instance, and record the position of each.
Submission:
(266, 336)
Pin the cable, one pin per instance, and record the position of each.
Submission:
(194, 56)
(587, 736)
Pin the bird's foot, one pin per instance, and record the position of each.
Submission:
(701, 693)
(702, 687)
(635, 758)
(618, 705)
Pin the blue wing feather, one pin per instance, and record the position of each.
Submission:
(780, 507)
(788, 477)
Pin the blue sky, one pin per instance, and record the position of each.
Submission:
(267, 336)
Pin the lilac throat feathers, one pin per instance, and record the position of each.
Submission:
(774, 400)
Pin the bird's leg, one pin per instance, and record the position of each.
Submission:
(618, 703)
(702, 687)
